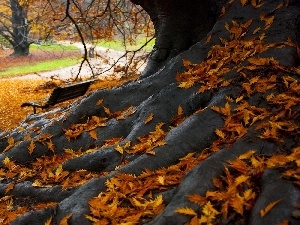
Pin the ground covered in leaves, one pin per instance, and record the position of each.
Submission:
(16, 90)
(217, 143)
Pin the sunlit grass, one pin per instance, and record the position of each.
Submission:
(39, 67)
(119, 45)
(53, 47)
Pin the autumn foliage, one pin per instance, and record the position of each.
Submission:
(261, 102)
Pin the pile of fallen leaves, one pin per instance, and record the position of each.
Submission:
(17, 90)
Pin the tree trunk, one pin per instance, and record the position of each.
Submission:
(210, 138)
(20, 33)
(178, 25)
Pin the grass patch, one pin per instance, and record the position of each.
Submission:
(40, 66)
(118, 44)
(52, 47)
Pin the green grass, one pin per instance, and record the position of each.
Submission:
(52, 47)
(118, 44)
(39, 67)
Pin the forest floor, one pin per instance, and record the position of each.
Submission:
(18, 89)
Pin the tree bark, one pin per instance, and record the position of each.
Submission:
(178, 25)
(20, 32)
(191, 112)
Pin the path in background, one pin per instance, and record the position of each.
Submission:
(103, 60)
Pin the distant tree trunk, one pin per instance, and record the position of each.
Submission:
(178, 25)
(20, 28)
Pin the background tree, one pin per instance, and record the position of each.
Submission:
(212, 137)
(20, 25)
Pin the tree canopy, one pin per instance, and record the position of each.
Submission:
(210, 136)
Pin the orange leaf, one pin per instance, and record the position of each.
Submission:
(106, 110)
(264, 211)
(50, 145)
(149, 118)
(268, 20)
(223, 11)
(186, 63)
(94, 134)
(186, 211)
(220, 133)
(64, 221)
(9, 187)
(244, 2)
(99, 102)
(180, 111)
(31, 147)
(208, 39)
(194, 221)
(198, 199)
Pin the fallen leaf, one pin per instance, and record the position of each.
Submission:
(64, 220)
(31, 147)
(264, 211)
(186, 211)
(149, 118)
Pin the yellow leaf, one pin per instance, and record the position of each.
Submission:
(247, 154)
(186, 211)
(264, 211)
(94, 134)
(249, 194)
(186, 84)
(64, 221)
(157, 201)
(239, 99)
(149, 118)
(246, 117)
(241, 179)
(31, 147)
(161, 180)
(220, 133)
(6, 161)
(119, 149)
(59, 170)
(106, 110)
(209, 213)
(256, 30)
